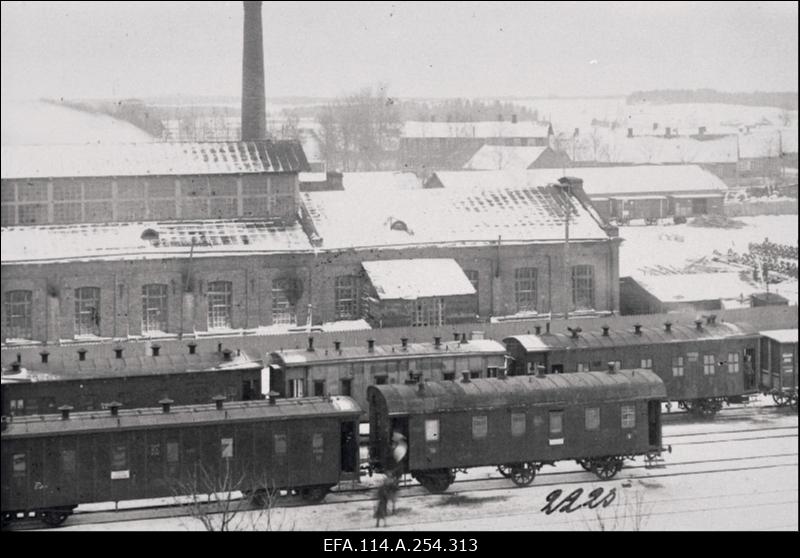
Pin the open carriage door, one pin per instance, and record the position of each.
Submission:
(654, 423)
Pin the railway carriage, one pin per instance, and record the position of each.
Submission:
(779, 365)
(518, 423)
(52, 463)
(703, 365)
(133, 381)
(350, 370)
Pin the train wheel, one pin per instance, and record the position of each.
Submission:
(436, 481)
(585, 463)
(505, 470)
(53, 518)
(262, 497)
(779, 399)
(314, 494)
(607, 467)
(706, 408)
(523, 473)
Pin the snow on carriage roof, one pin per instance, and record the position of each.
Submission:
(781, 335)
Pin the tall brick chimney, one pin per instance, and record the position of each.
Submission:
(254, 110)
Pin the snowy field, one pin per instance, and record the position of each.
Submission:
(676, 245)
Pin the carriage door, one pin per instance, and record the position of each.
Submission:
(400, 426)
(654, 423)
(749, 368)
(350, 451)
(276, 380)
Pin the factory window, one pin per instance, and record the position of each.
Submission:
(556, 423)
(346, 387)
(733, 362)
(16, 407)
(582, 287)
(709, 365)
(87, 311)
(226, 446)
(525, 279)
(8, 215)
(220, 304)
(628, 416)
(592, 418)
(583, 367)
(472, 275)
(647, 363)
(283, 308)
(154, 308)
(19, 465)
(381, 380)
(432, 430)
(480, 427)
(32, 213)
(297, 388)
(518, 423)
(677, 366)
(692, 357)
(319, 388)
(449, 376)
(346, 296)
(428, 312)
(18, 314)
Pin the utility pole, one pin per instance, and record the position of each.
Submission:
(567, 186)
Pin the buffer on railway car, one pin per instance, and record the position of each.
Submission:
(519, 423)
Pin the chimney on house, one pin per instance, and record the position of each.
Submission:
(254, 110)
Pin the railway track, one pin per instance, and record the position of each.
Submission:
(493, 481)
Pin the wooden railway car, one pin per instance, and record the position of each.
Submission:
(132, 381)
(52, 463)
(703, 365)
(349, 370)
(779, 365)
(520, 423)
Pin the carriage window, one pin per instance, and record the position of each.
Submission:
(592, 418)
(692, 357)
(68, 465)
(172, 452)
(474, 374)
(491, 372)
(380, 380)
(709, 365)
(449, 376)
(733, 362)
(677, 366)
(647, 364)
(119, 458)
(432, 430)
(319, 388)
(628, 416)
(556, 423)
(17, 407)
(226, 445)
(20, 466)
(346, 386)
(317, 443)
(297, 388)
(518, 424)
(480, 427)
(280, 443)
(583, 367)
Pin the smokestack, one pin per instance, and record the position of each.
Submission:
(254, 109)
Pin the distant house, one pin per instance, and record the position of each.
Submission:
(512, 157)
(618, 192)
(681, 292)
(428, 146)
(760, 154)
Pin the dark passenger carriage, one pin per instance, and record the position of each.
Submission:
(520, 423)
(349, 371)
(703, 364)
(133, 381)
(52, 463)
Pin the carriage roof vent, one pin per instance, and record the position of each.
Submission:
(637, 329)
(337, 346)
(156, 349)
(16, 367)
(540, 368)
(165, 403)
(218, 401)
(463, 338)
(456, 336)
(310, 347)
(44, 355)
(574, 331)
(668, 327)
(437, 342)
(605, 330)
(712, 319)
(404, 342)
(192, 347)
(612, 367)
(114, 408)
(371, 345)
(271, 396)
(65, 409)
(698, 324)
(537, 329)
(465, 378)
(227, 355)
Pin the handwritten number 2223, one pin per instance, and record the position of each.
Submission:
(570, 503)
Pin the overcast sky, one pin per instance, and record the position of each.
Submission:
(465, 49)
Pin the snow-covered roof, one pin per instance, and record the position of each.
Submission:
(689, 287)
(781, 335)
(597, 181)
(789, 140)
(491, 157)
(151, 159)
(113, 241)
(417, 278)
(381, 217)
(758, 145)
(384, 179)
(524, 129)
(654, 150)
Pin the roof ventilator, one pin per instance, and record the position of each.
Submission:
(44, 355)
(605, 330)
(65, 409)
(437, 342)
(668, 327)
(574, 331)
(165, 403)
(156, 350)
(404, 342)
(465, 378)
(310, 347)
(712, 319)
(114, 408)
(272, 396)
(81, 354)
(218, 401)
(192, 348)
(337, 346)
(537, 329)
(463, 338)
(371, 345)
(117, 352)
(612, 367)
(698, 324)
(637, 329)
